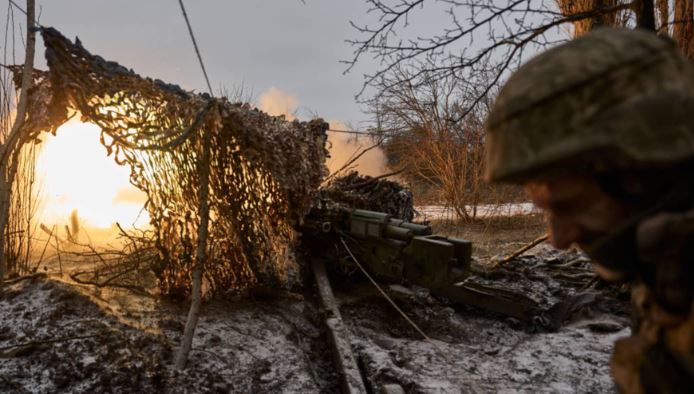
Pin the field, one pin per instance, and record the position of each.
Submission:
(495, 236)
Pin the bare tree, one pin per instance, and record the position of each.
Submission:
(14, 138)
(482, 41)
(431, 89)
(426, 144)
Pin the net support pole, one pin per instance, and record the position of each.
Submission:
(200, 255)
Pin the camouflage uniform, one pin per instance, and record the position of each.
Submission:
(618, 101)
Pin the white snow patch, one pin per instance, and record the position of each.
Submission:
(442, 212)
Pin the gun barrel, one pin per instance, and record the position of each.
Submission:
(399, 233)
(417, 229)
(363, 214)
(381, 225)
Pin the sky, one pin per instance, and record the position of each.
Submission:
(287, 45)
(293, 47)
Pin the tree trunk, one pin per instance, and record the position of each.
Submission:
(4, 211)
(196, 291)
(600, 18)
(690, 28)
(645, 14)
(14, 138)
(683, 26)
(663, 15)
(6, 184)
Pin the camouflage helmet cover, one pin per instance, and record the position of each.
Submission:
(611, 99)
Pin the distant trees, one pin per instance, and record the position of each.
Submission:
(431, 91)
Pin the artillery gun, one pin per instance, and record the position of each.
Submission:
(397, 251)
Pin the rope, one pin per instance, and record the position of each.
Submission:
(18, 7)
(383, 293)
(195, 44)
(353, 132)
(397, 308)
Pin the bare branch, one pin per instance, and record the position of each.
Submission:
(482, 42)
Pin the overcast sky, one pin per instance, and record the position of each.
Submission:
(290, 48)
(290, 45)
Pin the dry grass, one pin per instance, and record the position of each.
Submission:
(495, 236)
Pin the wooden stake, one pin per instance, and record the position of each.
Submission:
(196, 290)
(522, 250)
(350, 377)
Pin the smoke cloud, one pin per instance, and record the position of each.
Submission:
(276, 102)
(342, 147)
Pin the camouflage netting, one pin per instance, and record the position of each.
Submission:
(365, 192)
(263, 170)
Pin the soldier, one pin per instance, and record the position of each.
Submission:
(600, 131)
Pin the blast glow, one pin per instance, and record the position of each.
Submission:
(76, 173)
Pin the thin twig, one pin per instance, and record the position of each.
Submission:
(522, 250)
(43, 342)
(43, 252)
(57, 249)
(25, 277)
(108, 282)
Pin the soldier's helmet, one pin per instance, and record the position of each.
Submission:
(612, 99)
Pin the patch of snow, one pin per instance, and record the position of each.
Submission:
(442, 212)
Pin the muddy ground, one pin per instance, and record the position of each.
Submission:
(472, 351)
(59, 337)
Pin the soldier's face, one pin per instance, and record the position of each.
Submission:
(577, 210)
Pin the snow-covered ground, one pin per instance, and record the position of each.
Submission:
(55, 337)
(482, 355)
(442, 212)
